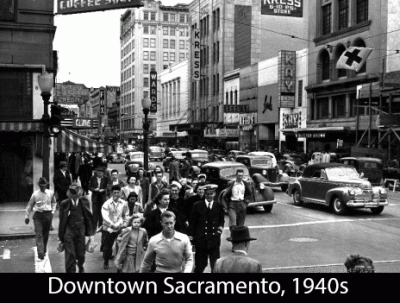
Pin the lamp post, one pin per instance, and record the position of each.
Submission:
(146, 102)
(46, 82)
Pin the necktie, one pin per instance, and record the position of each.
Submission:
(209, 205)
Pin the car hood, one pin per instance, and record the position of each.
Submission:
(262, 167)
(356, 182)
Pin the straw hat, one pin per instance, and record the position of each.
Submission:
(74, 191)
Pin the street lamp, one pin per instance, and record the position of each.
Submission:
(46, 82)
(146, 102)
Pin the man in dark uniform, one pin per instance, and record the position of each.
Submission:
(62, 180)
(205, 227)
(76, 223)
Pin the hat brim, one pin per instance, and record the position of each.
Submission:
(240, 240)
(71, 195)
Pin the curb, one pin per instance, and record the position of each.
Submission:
(15, 236)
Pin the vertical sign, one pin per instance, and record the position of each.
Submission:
(102, 93)
(153, 91)
(287, 79)
(196, 54)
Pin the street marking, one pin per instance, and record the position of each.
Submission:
(6, 254)
(42, 266)
(322, 265)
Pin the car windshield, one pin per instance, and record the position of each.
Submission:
(200, 155)
(231, 171)
(178, 154)
(135, 156)
(155, 149)
(262, 161)
(341, 172)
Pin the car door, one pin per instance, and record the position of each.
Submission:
(309, 185)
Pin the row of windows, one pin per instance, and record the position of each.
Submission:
(338, 14)
(183, 44)
(167, 30)
(167, 17)
(172, 56)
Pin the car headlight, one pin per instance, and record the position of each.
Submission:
(382, 191)
(199, 164)
(264, 172)
(280, 171)
(352, 192)
(262, 186)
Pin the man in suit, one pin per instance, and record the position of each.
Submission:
(98, 186)
(114, 181)
(237, 195)
(238, 261)
(76, 223)
(62, 180)
(205, 227)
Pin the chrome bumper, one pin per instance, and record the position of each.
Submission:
(261, 203)
(367, 204)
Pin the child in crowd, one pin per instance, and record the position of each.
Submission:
(132, 243)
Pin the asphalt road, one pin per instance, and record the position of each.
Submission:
(308, 239)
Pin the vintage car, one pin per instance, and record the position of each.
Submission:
(134, 161)
(338, 186)
(319, 157)
(118, 158)
(266, 154)
(264, 166)
(155, 153)
(221, 173)
(370, 168)
(233, 154)
(291, 164)
(179, 154)
(199, 157)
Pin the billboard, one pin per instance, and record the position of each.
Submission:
(65, 7)
(288, 8)
(287, 79)
(153, 91)
(71, 93)
(268, 105)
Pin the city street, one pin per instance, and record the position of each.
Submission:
(308, 239)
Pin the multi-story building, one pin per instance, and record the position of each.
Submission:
(26, 37)
(337, 119)
(236, 35)
(153, 37)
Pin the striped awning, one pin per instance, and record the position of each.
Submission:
(21, 126)
(69, 141)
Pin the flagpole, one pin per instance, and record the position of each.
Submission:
(370, 115)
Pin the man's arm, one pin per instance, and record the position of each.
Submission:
(187, 256)
(53, 203)
(148, 259)
(29, 207)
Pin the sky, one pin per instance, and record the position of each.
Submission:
(88, 46)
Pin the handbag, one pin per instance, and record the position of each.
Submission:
(91, 245)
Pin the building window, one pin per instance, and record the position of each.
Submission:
(165, 30)
(145, 68)
(343, 14)
(353, 103)
(165, 17)
(181, 57)
(182, 18)
(153, 67)
(153, 56)
(362, 11)
(182, 44)
(172, 17)
(7, 10)
(172, 44)
(323, 108)
(172, 57)
(165, 43)
(341, 71)
(146, 55)
(152, 30)
(153, 16)
(339, 106)
(145, 29)
(146, 16)
(326, 19)
(325, 60)
(145, 42)
(300, 93)
(165, 56)
(172, 31)
(153, 42)
(145, 82)
(227, 98)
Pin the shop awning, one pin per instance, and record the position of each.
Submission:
(313, 132)
(21, 126)
(69, 141)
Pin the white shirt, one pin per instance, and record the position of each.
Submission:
(209, 204)
(238, 191)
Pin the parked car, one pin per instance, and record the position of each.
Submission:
(134, 161)
(266, 154)
(291, 164)
(217, 155)
(179, 154)
(118, 158)
(233, 154)
(392, 170)
(155, 153)
(370, 168)
(221, 173)
(199, 157)
(319, 157)
(264, 165)
(338, 186)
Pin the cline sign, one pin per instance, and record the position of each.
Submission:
(84, 6)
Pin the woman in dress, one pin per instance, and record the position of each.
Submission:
(132, 243)
(132, 186)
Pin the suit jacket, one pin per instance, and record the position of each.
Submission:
(205, 227)
(65, 207)
(61, 183)
(109, 185)
(93, 184)
(228, 193)
(237, 262)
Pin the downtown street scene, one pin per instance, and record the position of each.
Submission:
(227, 123)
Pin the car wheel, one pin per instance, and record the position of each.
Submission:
(297, 198)
(268, 208)
(377, 210)
(284, 187)
(338, 207)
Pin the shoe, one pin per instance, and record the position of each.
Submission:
(81, 270)
(112, 258)
(105, 266)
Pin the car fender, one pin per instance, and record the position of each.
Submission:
(294, 186)
(284, 177)
(341, 192)
(266, 193)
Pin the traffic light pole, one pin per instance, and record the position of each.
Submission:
(46, 136)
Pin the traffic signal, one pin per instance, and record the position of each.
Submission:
(55, 119)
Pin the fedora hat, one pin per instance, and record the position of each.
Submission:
(240, 234)
(43, 181)
(63, 164)
(100, 168)
(74, 191)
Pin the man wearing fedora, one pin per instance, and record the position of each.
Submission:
(62, 180)
(205, 227)
(98, 186)
(76, 223)
(43, 205)
(238, 261)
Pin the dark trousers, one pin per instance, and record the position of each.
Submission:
(236, 213)
(108, 240)
(97, 203)
(42, 224)
(201, 257)
(74, 243)
(85, 184)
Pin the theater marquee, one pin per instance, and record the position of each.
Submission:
(65, 7)
(288, 8)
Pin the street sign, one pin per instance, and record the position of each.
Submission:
(65, 7)
(153, 91)
(102, 94)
